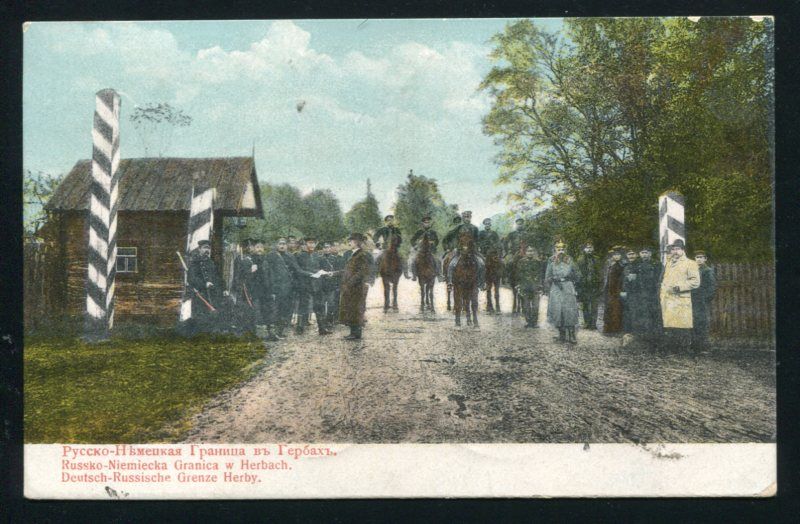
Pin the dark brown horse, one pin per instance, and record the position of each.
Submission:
(390, 269)
(426, 274)
(494, 274)
(465, 281)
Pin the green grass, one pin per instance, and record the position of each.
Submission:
(126, 391)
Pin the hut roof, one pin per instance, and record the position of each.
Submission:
(165, 184)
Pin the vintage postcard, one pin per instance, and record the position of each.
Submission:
(399, 258)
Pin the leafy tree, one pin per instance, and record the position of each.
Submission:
(596, 126)
(418, 197)
(322, 216)
(155, 123)
(364, 215)
(37, 189)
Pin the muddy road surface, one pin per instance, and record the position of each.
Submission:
(417, 378)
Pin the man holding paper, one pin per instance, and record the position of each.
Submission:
(310, 290)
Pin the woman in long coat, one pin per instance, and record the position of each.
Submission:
(562, 305)
(612, 315)
(354, 287)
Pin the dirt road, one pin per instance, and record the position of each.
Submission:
(417, 378)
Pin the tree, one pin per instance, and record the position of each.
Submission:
(418, 197)
(37, 189)
(364, 215)
(597, 126)
(322, 216)
(155, 123)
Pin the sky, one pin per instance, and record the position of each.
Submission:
(381, 97)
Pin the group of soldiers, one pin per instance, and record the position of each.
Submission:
(640, 296)
(665, 306)
(270, 289)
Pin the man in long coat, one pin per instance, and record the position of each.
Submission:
(242, 287)
(206, 288)
(612, 287)
(562, 305)
(681, 276)
(262, 291)
(354, 287)
(641, 281)
(530, 279)
(590, 288)
(701, 302)
(281, 286)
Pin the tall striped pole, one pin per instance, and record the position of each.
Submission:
(103, 191)
(671, 223)
(201, 223)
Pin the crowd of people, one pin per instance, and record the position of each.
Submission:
(661, 305)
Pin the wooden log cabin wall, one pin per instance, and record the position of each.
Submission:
(152, 226)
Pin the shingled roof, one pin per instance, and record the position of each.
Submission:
(165, 184)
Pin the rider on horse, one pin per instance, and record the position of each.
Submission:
(466, 228)
(426, 233)
(385, 235)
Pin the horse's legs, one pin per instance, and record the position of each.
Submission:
(394, 292)
(475, 307)
(497, 295)
(385, 294)
(513, 300)
(489, 306)
(421, 296)
(430, 296)
(449, 290)
(456, 305)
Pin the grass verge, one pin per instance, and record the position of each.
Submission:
(126, 391)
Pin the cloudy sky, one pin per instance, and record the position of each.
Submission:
(381, 97)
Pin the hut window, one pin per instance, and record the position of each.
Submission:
(126, 260)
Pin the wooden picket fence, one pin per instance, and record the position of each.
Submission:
(744, 305)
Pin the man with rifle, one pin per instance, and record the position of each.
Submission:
(203, 280)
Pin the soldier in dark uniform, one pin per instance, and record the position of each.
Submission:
(204, 282)
(612, 287)
(293, 247)
(629, 283)
(242, 286)
(514, 243)
(329, 284)
(309, 289)
(488, 240)
(383, 234)
(466, 227)
(641, 296)
(281, 283)
(433, 241)
(354, 286)
(449, 240)
(530, 281)
(701, 302)
(262, 291)
(590, 287)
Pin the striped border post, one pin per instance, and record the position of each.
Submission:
(201, 223)
(671, 223)
(103, 191)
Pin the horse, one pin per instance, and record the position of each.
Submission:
(494, 274)
(426, 274)
(446, 264)
(390, 269)
(465, 281)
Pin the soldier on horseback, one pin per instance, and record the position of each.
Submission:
(389, 263)
(384, 236)
(430, 236)
(466, 228)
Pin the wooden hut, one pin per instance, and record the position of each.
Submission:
(153, 204)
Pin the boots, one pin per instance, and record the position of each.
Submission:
(355, 333)
(562, 336)
(571, 336)
(271, 336)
